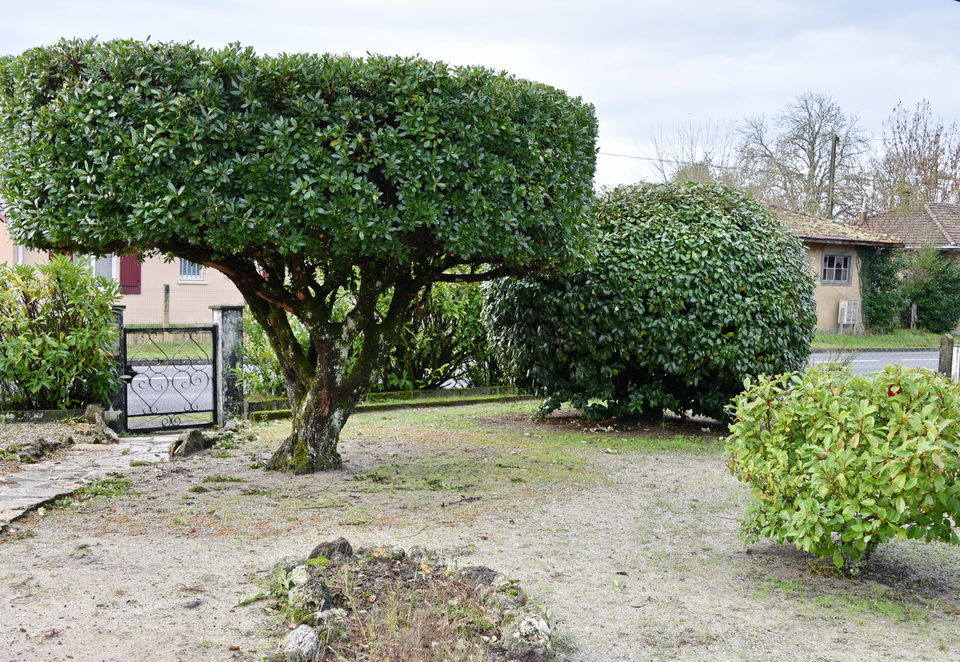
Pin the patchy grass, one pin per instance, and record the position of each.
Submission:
(113, 485)
(900, 339)
(217, 478)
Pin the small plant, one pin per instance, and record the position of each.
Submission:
(217, 478)
(840, 463)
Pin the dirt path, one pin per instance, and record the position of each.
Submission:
(632, 545)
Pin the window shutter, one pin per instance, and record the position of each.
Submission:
(129, 274)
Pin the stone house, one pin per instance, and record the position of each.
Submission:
(833, 258)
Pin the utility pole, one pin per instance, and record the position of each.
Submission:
(834, 139)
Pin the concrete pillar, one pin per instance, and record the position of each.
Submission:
(115, 415)
(946, 355)
(227, 356)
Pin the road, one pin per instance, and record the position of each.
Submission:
(168, 389)
(866, 362)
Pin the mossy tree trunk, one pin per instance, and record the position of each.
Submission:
(327, 377)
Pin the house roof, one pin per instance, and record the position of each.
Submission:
(929, 224)
(814, 228)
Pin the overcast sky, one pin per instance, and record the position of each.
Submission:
(647, 65)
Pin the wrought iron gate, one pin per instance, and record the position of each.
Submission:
(171, 377)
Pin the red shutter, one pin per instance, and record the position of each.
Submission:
(129, 274)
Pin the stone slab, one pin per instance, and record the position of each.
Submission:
(23, 491)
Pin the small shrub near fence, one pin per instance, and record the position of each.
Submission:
(57, 336)
(840, 463)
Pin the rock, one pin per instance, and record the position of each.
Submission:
(417, 553)
(188, 443)
(192, 604)
(299, 575)
(313, 595)
(329, 623)
(105, 435)
(287, 564)
(482, 576)
(301, 645)
(526, 638)
(335, 550)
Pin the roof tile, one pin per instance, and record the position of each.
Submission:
(814, 228)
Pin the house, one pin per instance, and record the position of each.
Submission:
(155, 291)
(927, 224)
(833, 258)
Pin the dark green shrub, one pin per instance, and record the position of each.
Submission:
(880, 288)
(694, 288)
(840, 463)
(444, 341)
(57, 336)
(933, 283)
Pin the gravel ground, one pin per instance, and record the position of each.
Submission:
(628, 537)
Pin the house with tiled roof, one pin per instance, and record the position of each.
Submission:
(833, 256)
(928, 224)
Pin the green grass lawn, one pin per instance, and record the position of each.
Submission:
(900, 339)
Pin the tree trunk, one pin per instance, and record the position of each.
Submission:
(312, 444)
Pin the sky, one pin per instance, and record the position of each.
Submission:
(648, 66)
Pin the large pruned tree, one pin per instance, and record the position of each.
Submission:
(305, 179)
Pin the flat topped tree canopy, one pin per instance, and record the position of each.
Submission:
(333, 189)
(207, 153)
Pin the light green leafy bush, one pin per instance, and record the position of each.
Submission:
(57, 336)
(840, 463)
(694, 288)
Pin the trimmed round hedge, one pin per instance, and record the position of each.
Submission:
(694, 288)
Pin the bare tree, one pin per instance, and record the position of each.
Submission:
(920, 161)
(786, 160)
(697, 152)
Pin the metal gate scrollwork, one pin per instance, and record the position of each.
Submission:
(170, 376)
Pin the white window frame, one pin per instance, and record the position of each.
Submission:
(848, 269)
(191, 272)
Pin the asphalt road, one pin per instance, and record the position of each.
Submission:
(160, 390)
(866, 362)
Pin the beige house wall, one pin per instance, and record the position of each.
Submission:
(829, 295)
(188, 301)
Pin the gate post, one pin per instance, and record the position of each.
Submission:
(116, 416)
(946, 355)
(226, 362)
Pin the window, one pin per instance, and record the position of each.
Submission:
(190, 270)
(836, 269)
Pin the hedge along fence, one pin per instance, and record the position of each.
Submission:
(57, 336)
